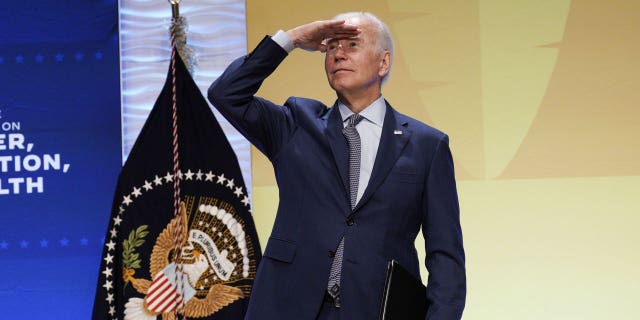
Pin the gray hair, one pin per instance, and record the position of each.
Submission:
(384, 41)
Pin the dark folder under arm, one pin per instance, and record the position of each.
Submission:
(404, 297)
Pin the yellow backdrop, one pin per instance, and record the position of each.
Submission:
(541, 100)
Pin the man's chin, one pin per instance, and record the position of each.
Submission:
(339, 85)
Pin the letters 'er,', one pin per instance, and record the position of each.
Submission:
(357, 180)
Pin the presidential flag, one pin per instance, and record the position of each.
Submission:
(219, 251)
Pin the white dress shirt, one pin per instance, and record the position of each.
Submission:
(370, 130)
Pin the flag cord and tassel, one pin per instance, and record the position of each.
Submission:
(176, 28)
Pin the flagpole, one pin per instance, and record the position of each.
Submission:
(175, 8)
(178, 227)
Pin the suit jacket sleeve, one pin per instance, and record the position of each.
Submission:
(265, 124)
(445, 261)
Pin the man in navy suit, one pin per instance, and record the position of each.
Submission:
(405, 180)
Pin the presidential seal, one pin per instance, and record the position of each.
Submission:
(215, 257)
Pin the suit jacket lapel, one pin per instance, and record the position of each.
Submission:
(394, 138)
(339, 147)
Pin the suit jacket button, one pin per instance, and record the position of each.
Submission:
(350, 221)
(331, 254)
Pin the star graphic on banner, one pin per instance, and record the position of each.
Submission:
(127, 200)
(147, 185)
(110, 298)
(221, 179)
(19, 59)
(108, 258)
(24, 244)
(98, 55)
(230, 184)
(59, 57)
(107, 272)
(84, 241)
(1, 60)
(245, 201)
(112, 310)
(64, 242)
(210, 176)
(180, 174)
(113, 232)
(108, 284)
(157, 181)
(117, 220)
(79, 56)
(136, 192)
(199, 175)
(111, 245)
(238, 192)
(44, 243)
(168, 177)
(4, 245)
(39, 58)
(120, 209)
(189, 174)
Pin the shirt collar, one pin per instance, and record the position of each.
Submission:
(373, 113)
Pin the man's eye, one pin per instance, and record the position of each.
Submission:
(353, 44)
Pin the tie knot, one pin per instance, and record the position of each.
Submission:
(354, 119)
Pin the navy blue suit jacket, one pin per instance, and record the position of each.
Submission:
(412, 186)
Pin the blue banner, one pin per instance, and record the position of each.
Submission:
(60, 152)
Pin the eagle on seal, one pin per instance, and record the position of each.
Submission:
(161, 293)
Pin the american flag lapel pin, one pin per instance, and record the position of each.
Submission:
(397, 132)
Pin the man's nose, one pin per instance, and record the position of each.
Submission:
(339, 52)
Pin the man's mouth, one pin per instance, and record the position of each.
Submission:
(342, 69)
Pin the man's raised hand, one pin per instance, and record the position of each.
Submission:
(310, 36)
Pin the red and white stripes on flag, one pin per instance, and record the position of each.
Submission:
(163, 295)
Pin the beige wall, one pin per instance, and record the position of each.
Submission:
(542, 103)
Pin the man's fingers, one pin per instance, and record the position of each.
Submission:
(310, 36)
(343, 31)
(335, 27)
(332, 23)
(344, 28)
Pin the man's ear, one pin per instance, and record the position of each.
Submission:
(385, 64)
